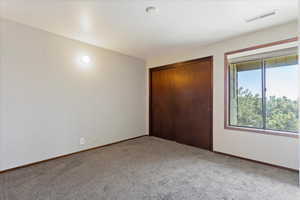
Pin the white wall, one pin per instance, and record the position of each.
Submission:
(47, 101)
(276, 150)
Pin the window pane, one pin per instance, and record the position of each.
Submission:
(281, 93)
(246, 94)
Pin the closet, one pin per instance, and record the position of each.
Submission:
(181, 102)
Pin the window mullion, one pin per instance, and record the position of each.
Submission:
(264, 100)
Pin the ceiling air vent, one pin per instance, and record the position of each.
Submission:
(268, 14)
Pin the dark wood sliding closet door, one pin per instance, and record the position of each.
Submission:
(163, 103)
(181, 102)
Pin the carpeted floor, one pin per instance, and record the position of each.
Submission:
(149, 169)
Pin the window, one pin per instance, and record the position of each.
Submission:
(246, 102)
(263, 91)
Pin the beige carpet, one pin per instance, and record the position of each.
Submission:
(149, 169)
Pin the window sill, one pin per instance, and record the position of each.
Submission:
(266, 132)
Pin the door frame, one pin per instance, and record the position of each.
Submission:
(180, 64)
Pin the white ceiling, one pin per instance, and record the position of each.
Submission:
(124, 26)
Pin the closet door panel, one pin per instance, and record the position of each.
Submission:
(162, 103)
(192, 123)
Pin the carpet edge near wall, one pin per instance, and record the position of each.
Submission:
(70, 154)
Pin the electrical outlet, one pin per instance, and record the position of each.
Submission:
(82, 141)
